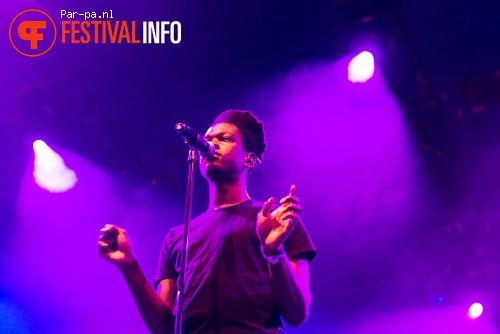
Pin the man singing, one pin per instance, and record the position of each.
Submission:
(248, 262)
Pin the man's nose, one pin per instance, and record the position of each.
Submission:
(215, 142)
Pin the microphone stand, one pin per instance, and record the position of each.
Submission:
(192, 158)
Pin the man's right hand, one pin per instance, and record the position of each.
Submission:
(115, 246)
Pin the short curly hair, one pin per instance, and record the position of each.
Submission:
(251, 129)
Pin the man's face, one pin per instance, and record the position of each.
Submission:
(227, 163)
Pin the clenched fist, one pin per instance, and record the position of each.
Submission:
(115, 246)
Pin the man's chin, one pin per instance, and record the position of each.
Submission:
(215, 173)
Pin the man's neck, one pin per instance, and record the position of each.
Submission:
(227, 194)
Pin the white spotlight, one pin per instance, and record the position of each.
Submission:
(50, 171)
(475, 310)
(361, 67)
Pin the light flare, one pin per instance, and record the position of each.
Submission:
(50, 172)
(475, 310)
(361, 67)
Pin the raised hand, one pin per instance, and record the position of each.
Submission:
(115, 246)
(273, 228)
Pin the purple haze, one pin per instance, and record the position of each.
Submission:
(57, 282)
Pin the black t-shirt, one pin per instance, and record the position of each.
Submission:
(227, 282)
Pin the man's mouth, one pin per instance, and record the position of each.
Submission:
(213, 158)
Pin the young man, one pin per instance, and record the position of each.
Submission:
(247, 264)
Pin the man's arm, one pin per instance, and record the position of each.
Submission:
(290, 283)
(156, 310)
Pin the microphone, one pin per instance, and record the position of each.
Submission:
(195, 140)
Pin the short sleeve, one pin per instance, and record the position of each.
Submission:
(165, 268)
(299, 243)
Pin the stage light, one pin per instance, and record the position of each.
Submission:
(475, 310)
(361, 67)
(50, 172)
(39, 146)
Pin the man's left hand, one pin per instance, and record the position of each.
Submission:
(274, 227)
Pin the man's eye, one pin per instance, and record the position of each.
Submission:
(226, 139)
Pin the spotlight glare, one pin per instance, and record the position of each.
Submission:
(39, 146)
(50, 172)
(361, 67)
(475, 310)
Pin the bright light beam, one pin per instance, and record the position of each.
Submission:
(361, 67)
(475, 310)
(50, 171)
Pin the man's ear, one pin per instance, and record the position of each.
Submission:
(250, 160)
